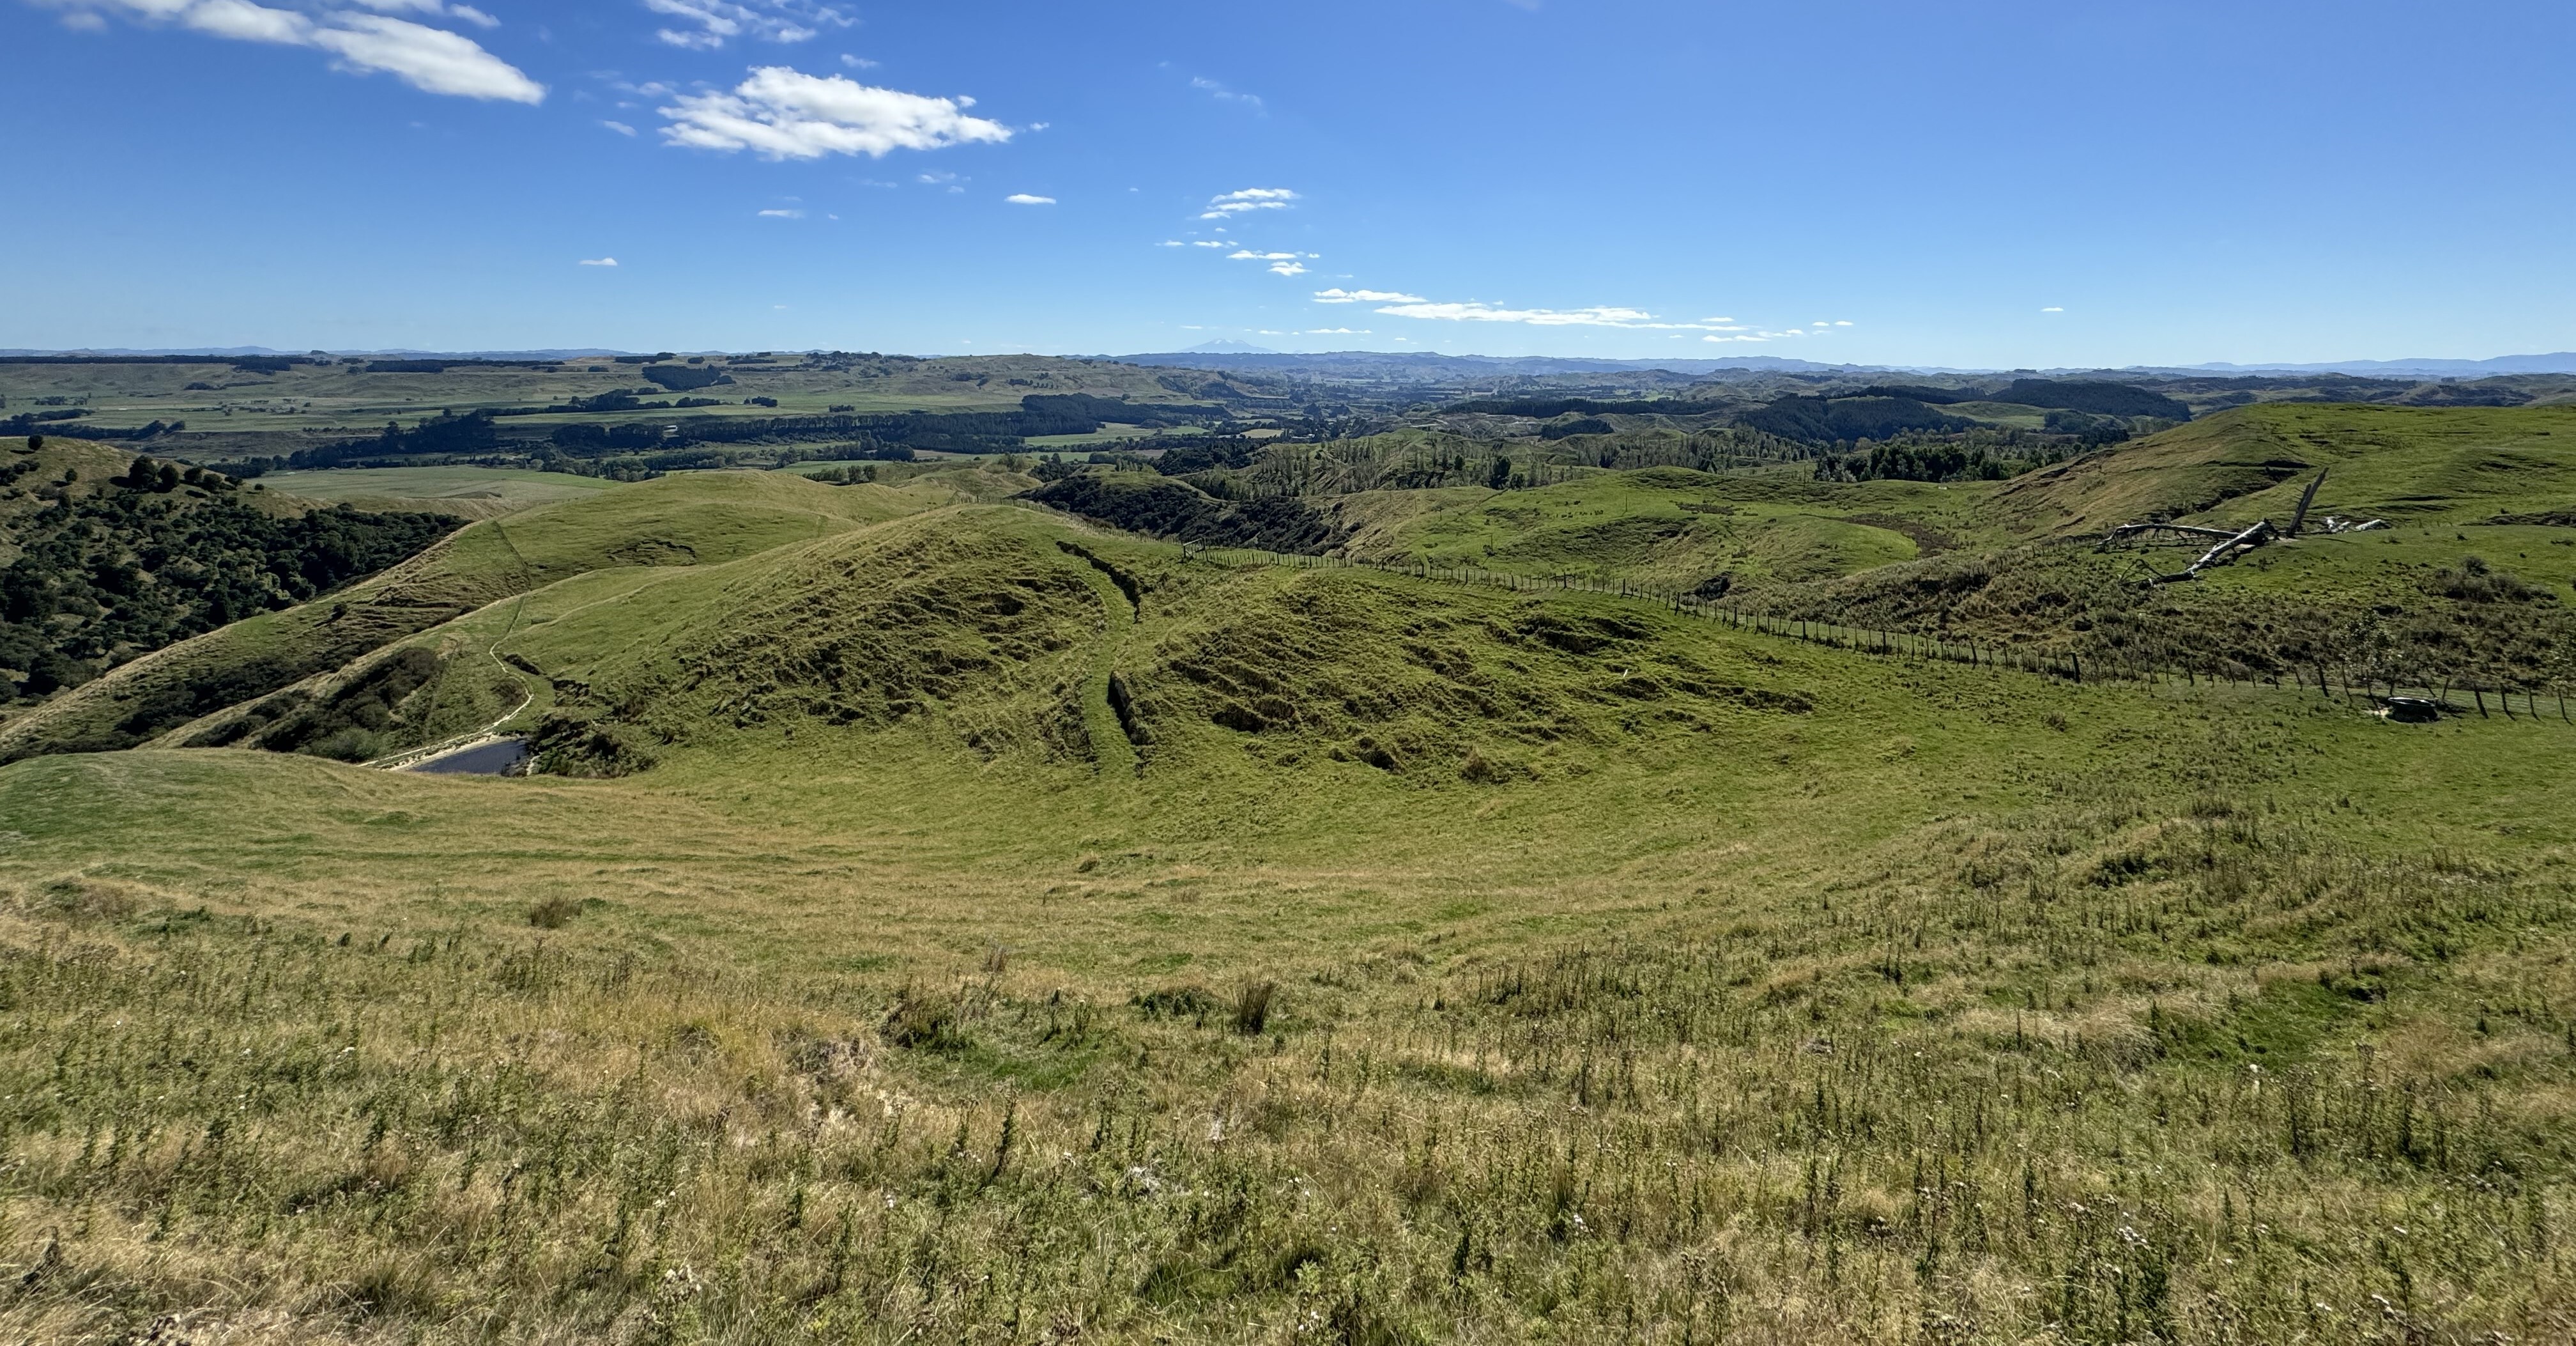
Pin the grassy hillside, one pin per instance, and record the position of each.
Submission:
(2411, 464)
(1001, 929)
(2473, 584)
(1673, 528)
(105, 557)
(951, 920)
(695, 519)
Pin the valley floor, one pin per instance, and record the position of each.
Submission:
(1960, 1005)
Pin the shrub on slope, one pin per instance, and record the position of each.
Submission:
(1162, 507)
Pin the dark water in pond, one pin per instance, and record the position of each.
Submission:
(492, 759)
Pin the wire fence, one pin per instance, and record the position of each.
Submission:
(2459, 696)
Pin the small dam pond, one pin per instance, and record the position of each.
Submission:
(488, 759)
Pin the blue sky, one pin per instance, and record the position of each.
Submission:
(1967, 184)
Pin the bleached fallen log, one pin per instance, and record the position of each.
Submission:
(2236, 545)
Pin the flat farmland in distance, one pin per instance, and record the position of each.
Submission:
(512, 486)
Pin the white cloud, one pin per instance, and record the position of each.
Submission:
(433, 60)
(1337, 331)
(1248, 255)
(434, 9)
(1249, 199)
(1287, 269)
(1171, 243)
(857, 62)
(717, 21)
(782, 213)
(599, 261)
(1338, 295)
(1475, 311)
(1209, 243)
(246, 22)
(1400, 305)
(1225, 95)
(2052, 309)
(1025, 199)
(620, 128)
(781, 113)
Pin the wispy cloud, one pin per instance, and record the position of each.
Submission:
(1397, 304)
(1025, 199)
(709, 24)
(1223, 94)
(598, 261)
(1249, 199)
(433, 60)
(620, 128)
(1286, 269)
(782, 113)
(782, 213)
(1342, 296)
(433, 9)
(2052, 309)
(1820, 327)
(1338, 331)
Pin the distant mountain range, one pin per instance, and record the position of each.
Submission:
(1426, 365)
(2563, 362)
(228, 352)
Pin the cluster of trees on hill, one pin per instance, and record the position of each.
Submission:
(685, 378)
(1580, 425)
(444, 435)
(1207, 455)
(1830, 420)
(1164, 507)
(62, 423)
(2097, 398)
(2006, 454)
(100, 579)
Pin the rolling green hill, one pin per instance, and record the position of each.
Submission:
(105, 557)
(944, 918)
(689, 520)
(2410, 464)
(2472, 584)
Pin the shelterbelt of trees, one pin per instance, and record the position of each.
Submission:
(104, 572)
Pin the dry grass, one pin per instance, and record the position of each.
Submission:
(1956, 1006)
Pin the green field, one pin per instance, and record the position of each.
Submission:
(475, 487)
(251, 412)
(938, 919)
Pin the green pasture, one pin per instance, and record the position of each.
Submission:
(510, 487)
(938, 918)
